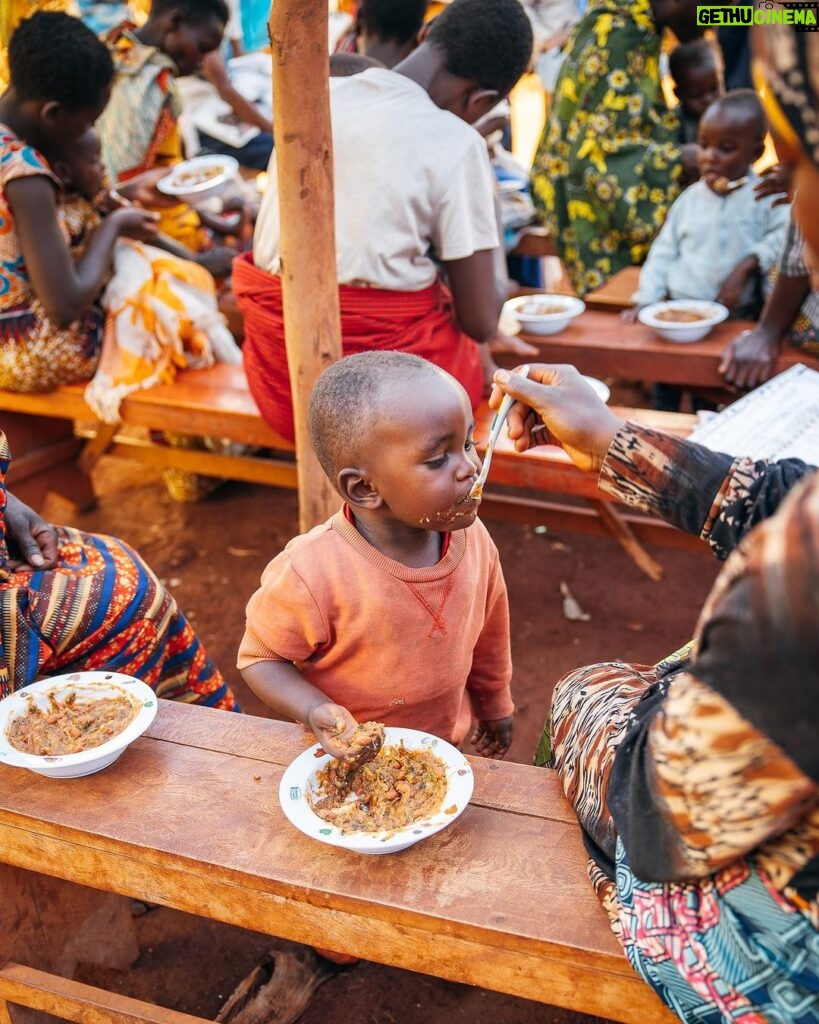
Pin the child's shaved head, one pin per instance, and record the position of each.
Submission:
(741, 107)
(346, 402)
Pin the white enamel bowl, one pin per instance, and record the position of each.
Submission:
(299, 780)
(89, 686)
(567, 307)
(178, 183)
(712, 312)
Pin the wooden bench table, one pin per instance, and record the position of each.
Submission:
(189, 817)
(599, 343)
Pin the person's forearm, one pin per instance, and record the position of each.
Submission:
(283, 688)
(787, 296)
(91, 271)
(245, 110)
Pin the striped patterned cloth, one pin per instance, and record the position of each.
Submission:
(100, 607)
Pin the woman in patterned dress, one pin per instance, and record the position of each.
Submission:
(609, 162)
(696, 781)
(50, 327)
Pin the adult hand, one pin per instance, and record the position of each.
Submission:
(501, 344)
(776, 181)
(749, 359)
(556, 406)
(31, 541)
(134, 222)
(493, 737)
(333, 725)
(142, 188)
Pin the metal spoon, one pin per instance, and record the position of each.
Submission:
(476, 491)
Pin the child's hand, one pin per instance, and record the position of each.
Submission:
(136, 223)
(333, 725)
(218, 261)
(494, 737)
(629, 316)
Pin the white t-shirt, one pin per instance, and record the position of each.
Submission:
(410, 179)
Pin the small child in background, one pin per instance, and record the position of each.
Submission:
(696, 70)
(395, 609)
(720, 240)
(160, 309)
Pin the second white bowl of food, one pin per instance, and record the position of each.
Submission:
(683, 320)
(416, 786)
(73, 725)
(199, 177)
(544, 314)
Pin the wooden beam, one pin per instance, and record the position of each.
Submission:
(304, 162)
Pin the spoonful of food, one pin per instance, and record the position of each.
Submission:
(476, 491)
(723, 186)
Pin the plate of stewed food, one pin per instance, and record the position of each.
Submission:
(405, 786)
(682, 320)
(198, 176)
(75, 724)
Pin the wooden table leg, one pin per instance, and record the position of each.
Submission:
(624, 536)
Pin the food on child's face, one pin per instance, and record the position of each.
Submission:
(367, 739)
(679, 316)
(720, 183)
(197, 176)
(535, 308)
(71, 724)
(397, 788)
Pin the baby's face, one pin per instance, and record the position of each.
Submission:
(699, 87)
(422, 456)
(728, 147)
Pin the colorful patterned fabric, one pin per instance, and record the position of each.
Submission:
(803, 333)
(696, 781)
(35, 354)
(101, 607)
(608, 164)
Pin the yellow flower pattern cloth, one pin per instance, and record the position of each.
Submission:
(608, 163)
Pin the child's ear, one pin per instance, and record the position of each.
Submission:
(357, 490)
(63, 172)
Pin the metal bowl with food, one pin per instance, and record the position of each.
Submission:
(73, 725)
(544, 314)
(415, 786)
(198, 177)
(683, 320)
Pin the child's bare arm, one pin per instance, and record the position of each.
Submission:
(730, 294)
(283, 688)
(66, 289)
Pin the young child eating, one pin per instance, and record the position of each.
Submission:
(719, 241)
(160, 308)
(395, 609)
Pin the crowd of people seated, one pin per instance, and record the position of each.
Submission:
(695, 781)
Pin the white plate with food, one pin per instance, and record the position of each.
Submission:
(73, 725)
(198, 176)
(544, 314)
(415, 786)
(683, 320)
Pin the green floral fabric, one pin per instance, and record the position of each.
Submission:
(608, 162)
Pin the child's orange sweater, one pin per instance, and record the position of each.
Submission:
(419, 648)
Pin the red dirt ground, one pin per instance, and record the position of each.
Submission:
(211, 555)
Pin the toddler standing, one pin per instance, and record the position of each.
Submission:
(395, 609)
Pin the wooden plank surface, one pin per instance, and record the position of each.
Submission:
(600, 344)
(189, 817)
(616, 293)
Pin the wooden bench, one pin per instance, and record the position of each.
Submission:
(189, 817)
(216, 403)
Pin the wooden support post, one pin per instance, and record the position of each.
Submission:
(304, 162)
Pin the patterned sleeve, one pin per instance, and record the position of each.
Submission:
(20, 160)
(728, 759)
(5, 459)
(707, 493)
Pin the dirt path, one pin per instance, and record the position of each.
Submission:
(211, 555)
